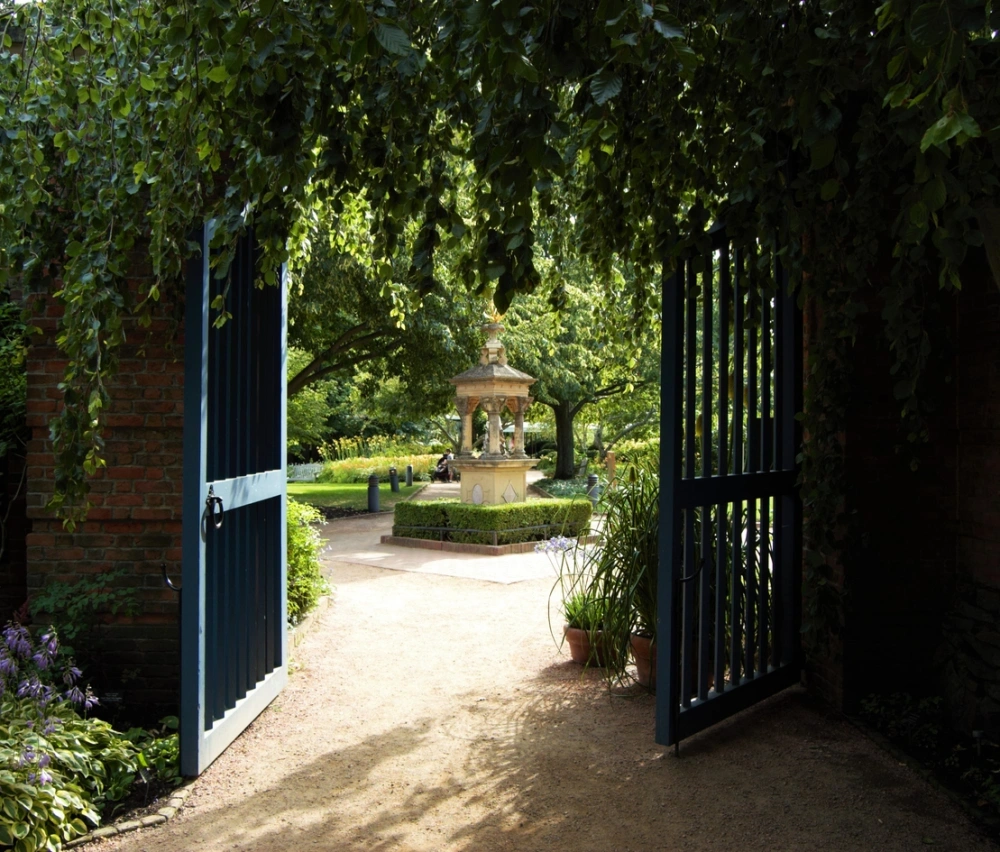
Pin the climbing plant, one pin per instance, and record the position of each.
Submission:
(859, 137)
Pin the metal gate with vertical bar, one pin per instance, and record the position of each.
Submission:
(233, 638)
(730, 531)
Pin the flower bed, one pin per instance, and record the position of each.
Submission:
(359, 469)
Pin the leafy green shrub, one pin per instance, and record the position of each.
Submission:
(359, 469)
(641, 453)
(574, 488)
(79, 609)
(305, 577)
(159, 751)
(547, 463)
(58, 770)
(424, 514)
(507, 521)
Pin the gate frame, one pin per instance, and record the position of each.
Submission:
(198, 747)
(674, 722)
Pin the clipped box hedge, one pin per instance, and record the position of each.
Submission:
(512, 522)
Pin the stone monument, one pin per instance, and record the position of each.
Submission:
(493, 385)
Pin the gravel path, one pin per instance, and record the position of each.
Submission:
(429, 712)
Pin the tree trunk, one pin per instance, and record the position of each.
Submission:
(564, 440)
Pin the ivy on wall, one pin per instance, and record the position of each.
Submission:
(863, 135)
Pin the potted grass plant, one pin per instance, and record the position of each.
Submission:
(622, 574)
(583, 631)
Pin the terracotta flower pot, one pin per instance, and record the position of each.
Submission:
(582, 650)
(644, 654)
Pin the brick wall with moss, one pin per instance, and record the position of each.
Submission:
(136, 520)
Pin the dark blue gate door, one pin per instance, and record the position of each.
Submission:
(730, 532)
(233, 640)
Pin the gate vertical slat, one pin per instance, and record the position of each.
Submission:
(736, 631)
(729, 527)
(690, 446)
(705, 416)
(721, 555)
(753, 465)
(766, 442)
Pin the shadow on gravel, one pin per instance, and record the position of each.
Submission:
(559, 764)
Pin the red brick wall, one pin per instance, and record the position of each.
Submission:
(970, 656)
(897, 566)
(900, 558)
(824, 673)
(13, 563)
(136, 520)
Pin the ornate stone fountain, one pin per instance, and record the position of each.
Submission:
(493, 385)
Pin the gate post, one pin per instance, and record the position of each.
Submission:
(671, 380)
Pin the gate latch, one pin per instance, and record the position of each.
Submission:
(210, 503)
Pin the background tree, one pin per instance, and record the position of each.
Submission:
(574, 364)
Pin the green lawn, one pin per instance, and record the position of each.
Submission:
(351, 496)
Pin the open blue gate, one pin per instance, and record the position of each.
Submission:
(730, 519)
(233, 638)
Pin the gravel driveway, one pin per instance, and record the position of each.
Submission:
(432, 712)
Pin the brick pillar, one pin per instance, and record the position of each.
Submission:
(136, 520)
(13, 507)
(970, 655)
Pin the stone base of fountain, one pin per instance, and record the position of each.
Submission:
(493, 480)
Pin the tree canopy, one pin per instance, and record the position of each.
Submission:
(861, 137)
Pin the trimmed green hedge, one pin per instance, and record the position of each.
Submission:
(423, 514)
(566, 517)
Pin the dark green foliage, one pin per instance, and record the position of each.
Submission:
(507, 521)
(13, 378)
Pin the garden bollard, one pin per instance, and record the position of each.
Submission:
(373, 493)
(409, 475)
(394, 480)
(593, 490)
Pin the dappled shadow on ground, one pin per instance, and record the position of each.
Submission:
(561, 765)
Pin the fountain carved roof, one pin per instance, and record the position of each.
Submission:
(493, 367)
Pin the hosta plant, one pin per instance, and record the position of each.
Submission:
(58, 768)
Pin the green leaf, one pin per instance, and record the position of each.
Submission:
(667, 31)
(829, 190)
(892, 69)
(605, 86)
(218, 74)
(929, 24)
(934, 193)
(521, 67)
(821, 153)
(392, 39)
(147, 82)
(941, 131)
(918, 214)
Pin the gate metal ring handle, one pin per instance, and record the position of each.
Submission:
(210, 503)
